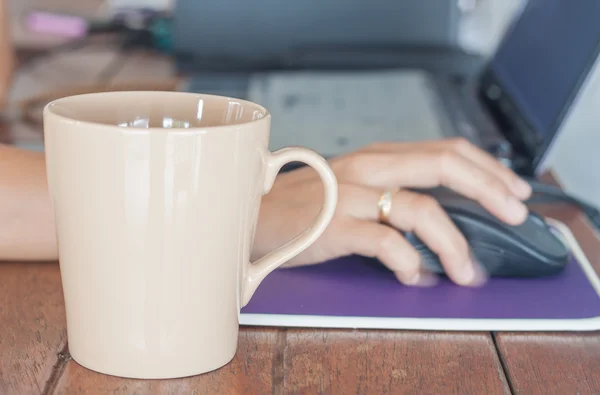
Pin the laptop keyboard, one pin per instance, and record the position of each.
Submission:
(338, 112)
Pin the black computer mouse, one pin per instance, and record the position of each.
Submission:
(531, 249)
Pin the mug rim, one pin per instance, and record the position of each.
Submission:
(49, 111)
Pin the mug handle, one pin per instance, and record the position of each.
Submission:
(258, 270)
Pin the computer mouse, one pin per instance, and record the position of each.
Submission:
(531, 249)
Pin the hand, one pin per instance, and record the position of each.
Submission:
(296, 198)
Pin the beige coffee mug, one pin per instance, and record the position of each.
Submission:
(156, 197)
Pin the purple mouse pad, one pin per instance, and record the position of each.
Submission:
(356, 292)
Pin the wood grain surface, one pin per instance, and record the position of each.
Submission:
(391, 362)
(327, 362)
(556, 363)
(32, 326)
(552, 363)
(252, 371)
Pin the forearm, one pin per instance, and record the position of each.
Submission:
(26, 220)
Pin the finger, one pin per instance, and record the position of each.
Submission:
(487, 162)
(374, 240)
(470, 180)
(389, 169)
(470, 151)
(421, 214)
(429, 169)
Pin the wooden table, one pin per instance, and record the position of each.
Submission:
(34, 356)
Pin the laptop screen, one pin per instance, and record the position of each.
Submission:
(544, 57)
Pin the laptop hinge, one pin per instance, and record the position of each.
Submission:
(510, 123)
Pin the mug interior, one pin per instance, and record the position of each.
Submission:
(164, 110)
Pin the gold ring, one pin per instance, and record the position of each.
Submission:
(385, 206)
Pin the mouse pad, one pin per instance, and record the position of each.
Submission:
(353, 292)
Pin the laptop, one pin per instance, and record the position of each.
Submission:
(514, 104)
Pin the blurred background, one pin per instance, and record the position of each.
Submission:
(478, 24)
(67, 43)
(54, 48)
